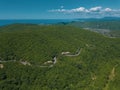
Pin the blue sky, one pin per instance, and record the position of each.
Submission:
(58, 9)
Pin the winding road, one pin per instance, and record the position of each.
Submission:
(78, 53)
(54, 61)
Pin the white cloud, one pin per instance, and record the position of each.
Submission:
(108, 9)
(75, 10)
(58, 10)
(89, 12)
(95, 9)
(80, 9)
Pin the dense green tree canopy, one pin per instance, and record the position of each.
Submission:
(25, 48)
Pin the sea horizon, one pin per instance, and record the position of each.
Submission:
(4, 22)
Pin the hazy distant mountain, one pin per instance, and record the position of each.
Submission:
(111, 18)
(99, 19)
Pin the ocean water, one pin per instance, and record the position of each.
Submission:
(30, 21)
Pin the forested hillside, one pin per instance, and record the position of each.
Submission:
(57, 57)
(109, 28)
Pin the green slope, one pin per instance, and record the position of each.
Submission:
(92, 69)
(110, 28)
